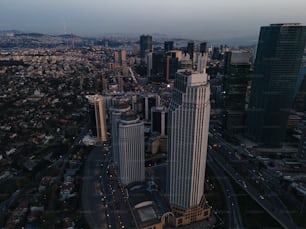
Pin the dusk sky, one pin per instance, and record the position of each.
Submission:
(195, 19)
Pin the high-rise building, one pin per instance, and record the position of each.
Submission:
(172, 64)
(119, 106)
(188, 124)
(165, 65)
(131, 149)
(168, 46)
(237, 69)
(159, 118)
(98, 117)
(190, 49)
(216, 53)
(203, 47)
(158, 65)
(146, 45)
(147, 102)
(149, 61)
(120, 57)
(278, 60)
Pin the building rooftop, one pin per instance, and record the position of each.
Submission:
(194, 78)
(286, 24)
(147, 203)
(129, 118)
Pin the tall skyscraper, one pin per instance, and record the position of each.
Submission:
(131, 149)
(149, 60)
(119, 106)
(159, 116)
(190, 49)
(168, 46)
(172, 65)
(158, 65)
(97, 117)
(216, 53)
(146, 45)
(237, 70)
(147, 102)
(203, 47)
(278, 60)
(188, 125)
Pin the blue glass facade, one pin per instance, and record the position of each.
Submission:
(278, 60)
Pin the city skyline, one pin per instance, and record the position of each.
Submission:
(210, 20)
(93, 136)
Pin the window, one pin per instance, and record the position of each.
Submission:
(180, 221)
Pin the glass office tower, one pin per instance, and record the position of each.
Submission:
(278, 59)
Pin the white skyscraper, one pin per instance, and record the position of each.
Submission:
(131, 149)
(188, 125)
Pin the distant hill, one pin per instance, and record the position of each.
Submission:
(30, 34)
(5, 32)
(67, 36)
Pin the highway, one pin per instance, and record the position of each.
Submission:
(103, 198)
(279, 214)
(93, 208)
(235, 219)
(106, 189)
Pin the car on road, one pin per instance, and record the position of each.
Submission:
(261, 197)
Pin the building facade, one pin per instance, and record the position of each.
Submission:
(146, 45)
(119, 106)
(277, 64)
(98, 117)
(131, 149)
(188, 125)
(190, 49)
(237, 70)
(159, 116)
(168, 46)
(147, 101)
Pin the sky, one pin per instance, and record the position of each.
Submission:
(193, 19)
